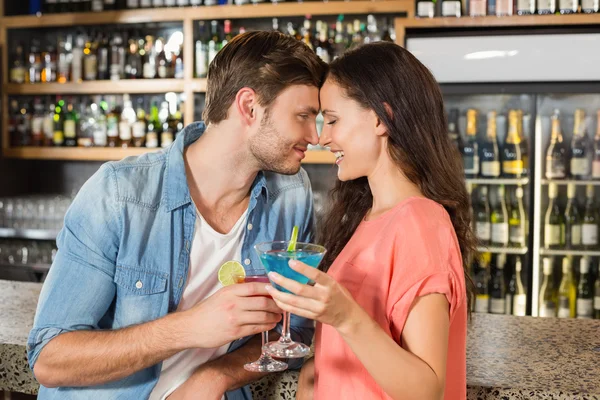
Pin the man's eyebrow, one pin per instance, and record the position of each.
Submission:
(310, 110)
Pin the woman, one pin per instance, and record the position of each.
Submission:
(392, 307)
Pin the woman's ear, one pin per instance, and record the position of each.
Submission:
(380, 127)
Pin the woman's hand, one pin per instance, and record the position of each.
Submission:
(327, 301)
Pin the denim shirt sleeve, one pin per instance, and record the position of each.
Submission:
(79, 288)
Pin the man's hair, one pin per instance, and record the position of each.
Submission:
(267, 62)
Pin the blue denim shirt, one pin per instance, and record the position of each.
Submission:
(132, 222)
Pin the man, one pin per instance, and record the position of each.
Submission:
(132, 308)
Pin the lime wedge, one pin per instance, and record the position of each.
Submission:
(229, 271)
(293, 239)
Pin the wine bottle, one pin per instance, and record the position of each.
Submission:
(519, 301)
(597, 295)
(498, 287)
(573, 219)
(499, 219)
(580, 152)
(567, 292)
(512, 159)
(548, 295)
(483, 227)
(489, 154)
(517, 221)
(596, 160)
(556, 153)
(585, 295)
(482, 281)
(554, 223)
(471, 148)
(589, 229)
(453, 129)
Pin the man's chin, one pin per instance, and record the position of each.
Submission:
(285, 170)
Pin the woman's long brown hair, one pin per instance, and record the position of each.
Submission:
(380, 74)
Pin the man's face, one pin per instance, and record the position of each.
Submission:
(286, 129)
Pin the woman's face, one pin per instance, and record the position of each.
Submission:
(353, 133)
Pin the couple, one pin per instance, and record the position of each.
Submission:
(132, 308)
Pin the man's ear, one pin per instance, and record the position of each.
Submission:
(245, 103)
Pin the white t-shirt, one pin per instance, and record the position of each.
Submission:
(210, 249)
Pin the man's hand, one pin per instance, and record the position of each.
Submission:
(232, 313)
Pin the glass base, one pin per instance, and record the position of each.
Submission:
(266, 364)
(286, 349)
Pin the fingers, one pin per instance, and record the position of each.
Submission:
(310, 272)
(259, 318)
(248, 289)
(286, 300)
(293, 286)
(260, 303)
(250, 330)
(301, 312)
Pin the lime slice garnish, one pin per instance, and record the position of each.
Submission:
(229, 272)
(293, 239)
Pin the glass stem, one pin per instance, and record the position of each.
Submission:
(265, 338)
(286, 327)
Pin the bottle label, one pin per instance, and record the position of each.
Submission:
(201, 62)
(520, 305)
(513, 167)
(477, 8)
(555, 169)
(100, 135)
(138, 129)
(517, 235)
(124, 131)
(471, 165)
(166, 139)
(132, 3)
(17, 75)
(580, 167)
(97, 5)
(70, 129)
(483, 230)
(58, 138)
(547, 310)
(597, 303)
(152, 140)
(84, 142)
(564, 307)
(49, 127)
(552, 235)
(90, 67)
(500, 233)
(425, 9)
(576, 235)
(570, 5)
(37, 126)
(162, 71)
(451, 8)
(546, 5)
(115, 72)
(482, 303)
(498, 306)
(596, 169)
(145, 3)
(490, 168)
(149, 71)
(76, 65)
(585, 308)
(589, 234)
(112, 128)
(590, 6)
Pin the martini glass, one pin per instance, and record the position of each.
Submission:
(275, 258)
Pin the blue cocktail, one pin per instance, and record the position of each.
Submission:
(275, 258)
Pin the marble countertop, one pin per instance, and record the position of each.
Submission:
(507, 357)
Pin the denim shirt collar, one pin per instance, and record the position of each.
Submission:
(176, 192)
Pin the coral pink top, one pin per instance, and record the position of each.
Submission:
(408, 252)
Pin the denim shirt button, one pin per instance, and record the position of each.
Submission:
(250, 227)
(180, 283)
(139, 284)
(247, 261)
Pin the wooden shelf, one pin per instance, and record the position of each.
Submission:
(498, 181)
(581, 253)
(266, 10)
(562, 182)
(112, 154)
(493, 21)
(130, 86)
(502, 250)
(198, 85)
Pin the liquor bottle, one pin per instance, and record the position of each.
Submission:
(548, 294)
(167, 133)
(37, 123)
(580, 151)
(504, 8)
(117, 58)
(110, 4)
(516, 297)
(477, 8)
(323, 50)
(489, 154)
(149, 68)
(451, 8)
(127, 119)
(90, 60)
(589, 228)
(554, 223)
(183, 3)
(133, 4)
(145, 3)
(568, 6)
(556, 154)
(498, 287)
(112, 123)
(596, 159)
(153, 127)
(158, 3)
(49, 65)
(170, 3)
(102, 57)
(499, 219)
(525, 7)
(471, 149)
(88, 125)
(49, 124)
(590, 6)
(546, 6)
(512, 159)
(58, 138)
(70, 125)
(214, 44)
(226, 33)
(97, 5)
(202, 51)
(34, 63)
(162, 65)
(425, 8)
(76, 72)
(517, 221)
(133, 61)
(567, 292)
(64, 59)
(453, 129)
(585, 294)
(573, 219)
(597, 295)
(138, 128)
(17, 70)
(482, 283)
(483, 227)
(522, 122)
(101, 127)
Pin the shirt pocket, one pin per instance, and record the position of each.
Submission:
(141, 295)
